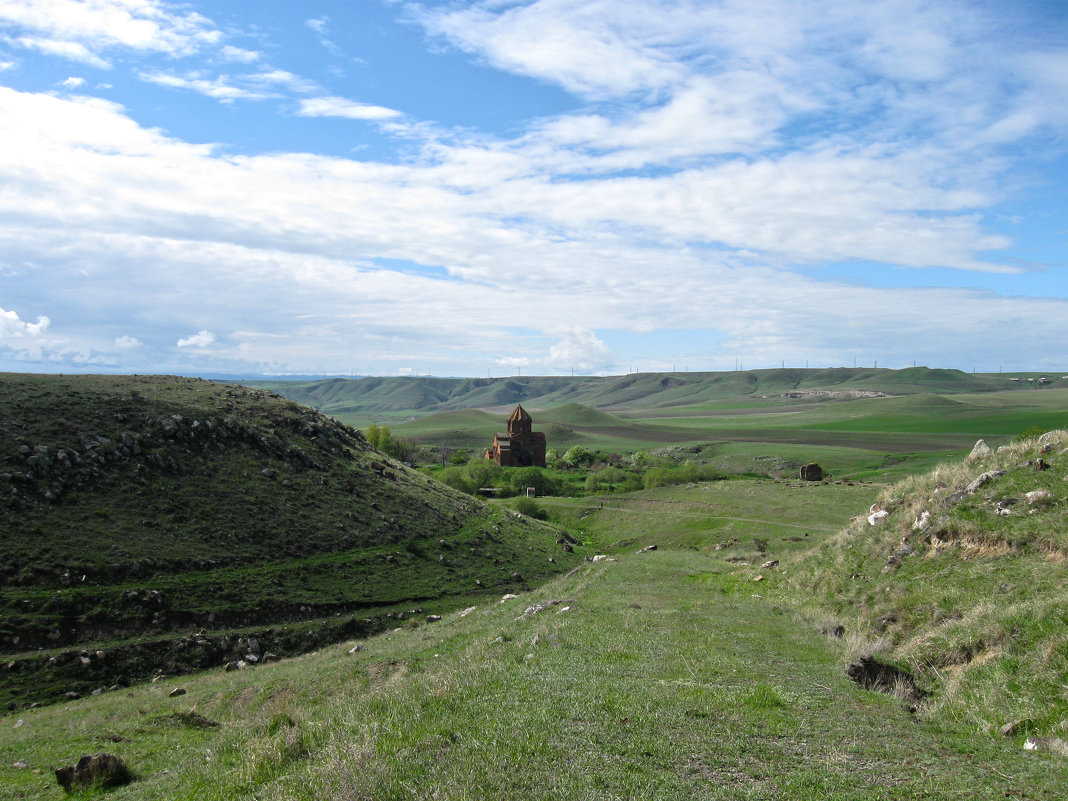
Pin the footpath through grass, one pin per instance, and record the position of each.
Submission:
(665, 678)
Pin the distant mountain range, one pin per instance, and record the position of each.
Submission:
(426, 395)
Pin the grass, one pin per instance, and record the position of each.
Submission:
(972, 601)
(152, 507)
(664, 679)
(672, 673)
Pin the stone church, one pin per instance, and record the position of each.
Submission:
(520, 447)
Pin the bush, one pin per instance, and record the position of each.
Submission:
(612, 479)
(527, 506)
(687, 473)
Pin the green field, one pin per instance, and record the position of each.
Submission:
(710, 667)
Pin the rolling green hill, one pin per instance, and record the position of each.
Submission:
(142, 509)
(393, 398)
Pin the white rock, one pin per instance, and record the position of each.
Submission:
(923, 521)
(508, 597)
(468, 611)
(875, 517)
(1039, 496)
(980, 451)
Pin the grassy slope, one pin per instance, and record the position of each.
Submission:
(152, 506)
(978, 607)
(667, 678)
(381, 397)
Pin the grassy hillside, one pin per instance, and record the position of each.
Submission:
(151, 507)
(394, 398)
(662, 675)
(963, 582)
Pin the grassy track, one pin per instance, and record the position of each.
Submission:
(666, 679)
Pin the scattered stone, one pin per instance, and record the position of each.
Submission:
(356, 648)
(979, 451)
(508, 597)
(1039, 497)
(1015, 726)
(540, 607)
(231, 667)
(94, 770)
(1055, 745)
(982, 479)
(922, 521)
(433, 618)
(876, 517)
(811, 472)
(177, 691)
(769, 564)
(252, 659)
(241, 664)
(19, 723)
(759, 577)
(468, 611)
(603, 558)
(647, 548)
(1041, 464)
(20, 765)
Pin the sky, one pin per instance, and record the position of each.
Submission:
(503, 187)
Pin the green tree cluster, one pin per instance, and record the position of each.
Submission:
(381, 439)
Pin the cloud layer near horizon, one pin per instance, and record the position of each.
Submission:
(715, 160)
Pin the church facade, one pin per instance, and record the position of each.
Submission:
(520, 447)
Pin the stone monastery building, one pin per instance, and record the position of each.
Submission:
(520, 447)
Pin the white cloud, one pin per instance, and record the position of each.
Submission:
(736, 147)
(11, 327)
(589, 48)
(340, 107)
(6, 65)
(72, 83)
(239, 54)
(82, 30)
(219, 87)
(580, 349)
(128, 342)
(75, 51)
(201, 339)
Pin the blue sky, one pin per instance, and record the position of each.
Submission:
(492, 186)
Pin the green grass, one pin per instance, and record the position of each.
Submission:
(665, 679)
(977, 608)
(674, 673)
(149, 507)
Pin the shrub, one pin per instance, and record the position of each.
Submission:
(528, 507)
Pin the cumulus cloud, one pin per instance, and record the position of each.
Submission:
(202, 339)
(733, 149)
(579, 348)
(11, 327)
(128, 342)
(72, 83)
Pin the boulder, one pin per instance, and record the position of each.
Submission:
(1039, 497)
(979, 451)
(94, 770)
(876, 517)
(982, 479)
(811, 472)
